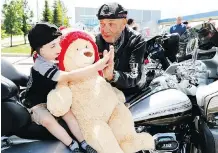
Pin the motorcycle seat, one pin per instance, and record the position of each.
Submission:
(47, 146)
(13, 115)
(8, 89)
(204, 92)
(10, 72)
(13, 118)
(16, 118)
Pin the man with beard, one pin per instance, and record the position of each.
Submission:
(125, 69)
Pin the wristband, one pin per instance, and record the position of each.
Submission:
(116, 76)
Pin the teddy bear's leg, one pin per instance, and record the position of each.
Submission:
(101, 138)
(122, 125)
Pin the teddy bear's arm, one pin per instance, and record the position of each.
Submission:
(120, 95)
(59, 100)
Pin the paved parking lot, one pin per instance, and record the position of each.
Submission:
(21, 63)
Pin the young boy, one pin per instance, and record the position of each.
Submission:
(44, 38)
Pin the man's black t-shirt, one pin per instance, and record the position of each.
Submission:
(130, 52)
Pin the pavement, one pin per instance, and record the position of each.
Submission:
(16, 40)
(21, 63)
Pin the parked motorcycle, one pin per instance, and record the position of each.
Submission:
(174, 119)
(163, 49)
(207, 35)
(173, 116)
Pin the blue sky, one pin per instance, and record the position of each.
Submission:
(169, 8)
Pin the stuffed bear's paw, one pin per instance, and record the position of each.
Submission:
(141, 141)
(59, 101)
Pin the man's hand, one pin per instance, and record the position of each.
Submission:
(103, 63)
(108, 71)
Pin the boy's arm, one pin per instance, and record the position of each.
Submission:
(76, 74)
(86, 71)
(52, 72)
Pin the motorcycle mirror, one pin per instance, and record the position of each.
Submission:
(212, 111)
(192, 49)
(190, 46)
(195, 50)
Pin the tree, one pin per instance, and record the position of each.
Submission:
(12, 13)
(47, 14)
(26, 19)
(65, 17)
(57, 13)
(66, 21)
(3, 33)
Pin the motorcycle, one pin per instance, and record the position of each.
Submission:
(177, 120)
(19, 134)
(173, 118)
(162, 49)
(206, 33)
(204, 57)
(170, 120)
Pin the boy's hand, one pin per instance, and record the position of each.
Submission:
(102, 63)
(108, 71)
(111, 60)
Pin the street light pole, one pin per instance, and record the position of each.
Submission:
(62, 16)
(37, 9)
(62, 12)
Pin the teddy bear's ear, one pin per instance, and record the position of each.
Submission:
(91, 35)
(67, 30)
(62, 27)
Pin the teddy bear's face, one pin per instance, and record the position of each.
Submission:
(79, 54)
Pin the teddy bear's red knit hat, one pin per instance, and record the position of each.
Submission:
(68, 39)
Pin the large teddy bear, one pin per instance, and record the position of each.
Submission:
(106, 123)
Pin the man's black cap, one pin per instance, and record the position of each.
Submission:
(112, 11)
(41, 34)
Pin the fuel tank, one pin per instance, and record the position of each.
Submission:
(164, 107)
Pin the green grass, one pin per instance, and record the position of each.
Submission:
(18, 49)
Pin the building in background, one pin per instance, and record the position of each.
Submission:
(144, 18)
(193, 19)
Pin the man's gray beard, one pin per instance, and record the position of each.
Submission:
(119, 41)
(116, 38)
